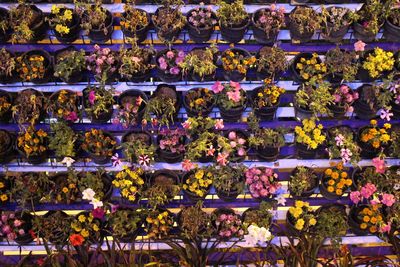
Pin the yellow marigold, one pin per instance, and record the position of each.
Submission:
(299, 224)
(330, 189)
(328, 172)
(363, 226)
(335, 175)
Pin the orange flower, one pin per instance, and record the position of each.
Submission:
(76, 239)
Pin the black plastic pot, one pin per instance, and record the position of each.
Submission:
(167, 36)
(391, 31)
(26, 238)
(296, 74)
(192, 196)
(396, 111)
(166, 77)
(205, 78)
(77, 75)
(169, 174)
(362, 108)
(354, 222)
(305, 153)
(168, 156)
(134, 93)
(199, 35)
(168, 91)
(265, 113)
(232, 115)
(4, 35)
(268, 153)
(361, 34)
(6, 116)
(7, 146)
(367, 150)
(334, 36)
(39, 26)
(140, 34)
(101, 117)
(301, 113)
(229, 196)
(234, 34)
(98, 35)
(37, 94)
(193, 113)
(74, 29)
(295, 33)
(338, 112)
(101, 160)
(306, 193)
(34, 160)
(259, 34)
(54, 98)
(48, 61)
(235, 75)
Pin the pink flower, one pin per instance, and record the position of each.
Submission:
(344, 89)
(339, 139)
(116, 160)
(368, 190)
(17, 223)
(241, 152)
(211, 151)
(187, 165)
(174, 70)
(355, 197)
(233, 144)
(234, 96)
(170, 54)
(385, 228)
(186, 125)
(388, 199)
(72, 116)
(11, 236)
(222, 158)
(21, 232)
(98, 213)
(385, 114)
(268, 171)
(337, 98)
(6, 229)
(359, 46)
(232, 135)
(217, 87)
(241, 141)
(92, 97)
(219, 124)
(235, 85)
(379, 165)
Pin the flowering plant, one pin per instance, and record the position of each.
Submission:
(135, 61)
(341, 63)
(134, 19)
(125, 222)
(260, 217)
(336, 180)
(271, 60)
(5, 104)
(236, 60)
(342, 145)
(305, 18)
(202, 18)
(200, 62)
(159, 223)
(138, 150)
(7, 63)
(169, 62)
(302, 180)
(12, 226)
(375, 136)
(169, 18)
(228, 224)
(70, 63)
(194, 222)
(163, 107)
(228, 179)
(4, 189)
(262, 182)
(199, 181)
(21, 20)
(172, 140)
(54, 226)
(378, 61)
(372, 15)
(61, 19)
(302, 216)
(230, 95)
(238, 142)
(268, 95)
(66, 189)
(370, 218)
(264, 137)
(334, 18)
(311, 69)
(28, 106)
(344, 97)
(63, 140)
(395, 136)
(93, 15)
(164, 187)
(93, 185)
(86, 229)
(129, 182)
(31, 67)
(98, 99)
(231, 14)
(316, 99)
(129, 109)
(200, 99)
(32, 142)
(310, 134)
(196, 126)
(271, 20)
(257, 235)
(103, 63)
(65, 106)
(98, 143)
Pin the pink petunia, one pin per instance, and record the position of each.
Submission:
(234, 96)
(219, 124)
(170, 54)
(92, 97)
(379, 165)
(359, 46)
(217, 87)
(187, 165)
(385, 228)
(222, 158)
(235, 85)
(355, 197)
(72, 116)
(388, 199)
(368, 190)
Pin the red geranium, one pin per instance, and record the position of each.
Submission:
(76, 239)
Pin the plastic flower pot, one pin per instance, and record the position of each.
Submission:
(102, 117)
(4, 35)
(33, 159)
(164, 176)
(7, 142)
(77, 75)
(268, 153)
(305, 153)
(26, 238)
(199, 35)
(190, 195)
(354, 222)
(128, 96)
(37, 94)
(294, 71)
(6, 116)
(38, 26)
(140, 34)
(235, 33)
(168, 156)
(167, 36)
(98, 35)
(295, 33)
(310, 190)
(301, 113)
(232, 115)
(194, 113)
(228, 196)
(206, 78)
(391, 31)
(167, 77)
(361, 34)
(361, 107)
(54, 98)
(325, 193)
(101, 159)
(264, 113)
(338, 112)
(367, 150)
(259, 34)
(334, 36)
(235, 75)
(48, 64)
(74, 29)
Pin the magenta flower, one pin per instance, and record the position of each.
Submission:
(379, 165)
(368, 190)
(98, 213)
(232, 135)
(234, 96)
(388, 199)
(355, 197)
(385, 228)
(235, 85)
(72, 116)
(92, 97)
(174, 70)
(170, 54)
(217, 87)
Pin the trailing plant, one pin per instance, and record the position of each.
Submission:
(231, 14)
(99, 100)
(200, 62)
(343, 145)
(63, 140)
(163, 107)
(306, 19)
(301, 180)
(271, 20)
(378, 62)
(70, 63)
(234, 60)
(103, 63)
(271, 60)
(316, 99)
(343, 63)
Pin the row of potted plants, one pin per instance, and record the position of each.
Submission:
(26, 22)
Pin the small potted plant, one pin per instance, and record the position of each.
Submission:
(301, 218)
(69, 65)
(308, 67)
(16, 226)
(366, 219)
(104, 64)
(65, 23)
(136, 63)
(197, 183)
(66, 188)
(373, 139)
(238, 140)
(86, 229)
(32, 145)
(5, 25)
(200, 64)
(7, 144)
(194, 222)
(371, 98)
(54, 227)
(171, 145)
(63, 105)
(266, 100)
(159, 223)
(169, 20)
(131, 108)
(235, 63)
(335, 182)
(63, 141)
(267, 22)
(335, 22)
(228, 224)
(99, 181)
(27, 23)
(8, 66)
(6, 101)
(35, 66)
(309, 138)
(134, 22)
(376, 63)
(233, 20)
(99, 145)
(261, 216)
(168, 65)
(199, 101)
(262, 182)
(302, 182)
(138, 147)
(125, 224)
(313, 101)
(344, 97)
(228, 181)
(96, 20)
(231, 100)
(130, 183)
(163, 186)
(392, 25)
(303, 22)
(341, 65)
(29, 106)
(342, 145)
(271, 63)
(98, 102)
(201, 23)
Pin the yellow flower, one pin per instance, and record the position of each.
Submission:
(373, 122)
(95, 228)
(65, 190)
(313, 221)
(299, 203)
(3, 197)
(299, 224)
(387, 126)
(55, 9)
(85, 233)
(82, 218)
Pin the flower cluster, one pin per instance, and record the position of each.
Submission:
(202, 18)
(371, 218)
(233, 60)
(257, 235)
(65, 107)
(99, 143)
(271, 20)
(311, 69)
(200, 99)
(129, 182)
(268, 95)
(229, 225)
(89, 194)
(172, 140)
(159, 224)
(85, 228)
(262, 182)
(199, 181)
(32, 142)
(342, 145)
(310, 134)
(378, 61)
(5, 104)
(11, 226)
(238, 143)
(302, 216)
(302, 179)
(230, 95)
(102, 62)
(170, 60)
(376, 136)
(128, 111)
(133, 19)
(336, 180)
(3, 191)
(345, 97)
(31, 67)
(61, 19)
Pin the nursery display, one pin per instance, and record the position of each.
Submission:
(233, 20)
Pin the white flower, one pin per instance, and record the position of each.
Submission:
(96, 203)
(281, 200)
(257, 235)
(68, 161)
(88, 194)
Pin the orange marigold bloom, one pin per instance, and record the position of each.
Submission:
(76, 239)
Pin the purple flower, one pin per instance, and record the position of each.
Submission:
(163, 66)
(99, 61)
(174, 70)
(92, 97)
(72, 116)
(181, 54)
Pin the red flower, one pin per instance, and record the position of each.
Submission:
(32, 233)
(76, 239)
(98, 213)
(40, 261)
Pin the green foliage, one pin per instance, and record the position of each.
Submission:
(207, 140)
(55, 226)
(302, 179)
(395, 136)
(63, 140)
(135, 60)
(124, 222)
(134, 149)
(93, 180)
(69, 64)
(93, 15)
(332, 223)
(21, 21)
(335, 18)
(162, 191)
(374, 13)
(261, 216)
(343, 62)
(348, 143)
(199, 125)
(7, 63)
(272, 60)
(163, 107)
(229, 178)
(233, 14)
(316, 99)
(201, 65)
(195, 223)
(264, 137)
(103, 100)
(305, 18)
